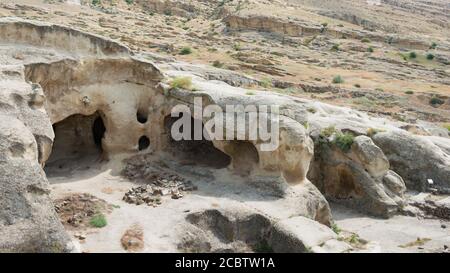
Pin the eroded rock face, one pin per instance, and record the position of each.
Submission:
(359, 178)
(28, 222)
(69, 78)
(417, 159)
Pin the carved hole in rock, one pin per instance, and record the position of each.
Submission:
(245, 156)
(198, 152)
(142, 116)
(144, 143)
(77, 144)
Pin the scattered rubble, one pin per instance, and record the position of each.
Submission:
(76, 210)
(158, 184)
(133, 238)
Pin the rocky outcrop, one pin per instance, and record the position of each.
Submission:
(28, 222)
(417, 159)
(239, 229)
(359, 177)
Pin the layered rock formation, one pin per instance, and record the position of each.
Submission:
(78, 81)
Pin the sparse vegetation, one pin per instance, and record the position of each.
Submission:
(365, 40)
(335, 47)
(430, 56)
(357, 85)
(311, 110)
(266, 83)
(250, 93)
(218, 64)
(338, 79)
(336, 229)
(447, 126)
(344, 141)
(237, 46)
(181, 82)
(95, 2)
(409, 92)
(433, 45)
(186, 50)
(436, 101)
(412, 55)
(417, 242)
(98, 221)
(129, 2)
(327, 132)
(370, 49)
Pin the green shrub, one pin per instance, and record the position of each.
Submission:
(249, 93)
(168, 12)
(365, 40)
(327, 132)
(433, 45)
(436, 101)
(370, 49)
(98, 221)
(357, 85)
(218, 64)
(181, 82)
(336, 229)
(412, 55)
(129, 2)
(237, 46)
(338, 79)
(324, 24)
(409, 92)
(95, 2)
(430, 56)
(335, 47)
(266, 83)
(447, 126)
(186, 51)
(344, 141)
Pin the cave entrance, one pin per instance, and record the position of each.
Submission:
(77, 144)
(195, 152)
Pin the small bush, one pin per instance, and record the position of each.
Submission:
(436, 101)
(430, 56)
(266, 83)
(250, 93)
(338, 79)
(370, 49)
(412, 55)
(311, 110)
(344, 141)
(186, 51)
(447, 126)
(357, 85)
(327, 132)
(168, 12)
(95, 2)
(324, 24)
(409, 92)
(181, 82)
(335, 47)
(237, 46)
(336, 229)
(218, 64)
(365, 40)
(98, 221)
(433, 45)
(129, 2)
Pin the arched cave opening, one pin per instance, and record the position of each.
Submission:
(195, 152)
(344, 186)
(77, 144)
(245, 156)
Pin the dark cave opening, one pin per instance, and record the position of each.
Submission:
(77, 144)
(195, 152)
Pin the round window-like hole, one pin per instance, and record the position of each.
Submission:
(142, 117)
(144, 143)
